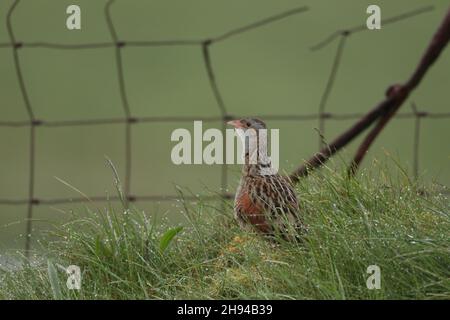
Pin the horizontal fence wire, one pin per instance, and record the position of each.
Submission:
(284, 117)
(32, 123)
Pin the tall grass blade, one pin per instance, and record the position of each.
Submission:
(54, 281)
(117, 183)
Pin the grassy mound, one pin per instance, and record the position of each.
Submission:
(353, 224)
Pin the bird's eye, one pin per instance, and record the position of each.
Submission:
(248, 124)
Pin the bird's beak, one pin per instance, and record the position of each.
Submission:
(235, 123)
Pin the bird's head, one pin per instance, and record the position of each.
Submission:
(248, 130)
(248, 123)
(253, 135)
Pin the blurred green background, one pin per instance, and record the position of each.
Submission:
(269, 70)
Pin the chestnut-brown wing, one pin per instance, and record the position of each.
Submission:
(276, 196)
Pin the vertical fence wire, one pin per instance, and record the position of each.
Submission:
(33, 123)
(123, 95)
(330, 84)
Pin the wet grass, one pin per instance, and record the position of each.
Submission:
(374, 219)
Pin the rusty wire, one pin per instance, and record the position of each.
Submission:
(129, 120)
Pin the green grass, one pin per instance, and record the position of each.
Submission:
(374, 219)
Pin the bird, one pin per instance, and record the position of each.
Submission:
(265, 201)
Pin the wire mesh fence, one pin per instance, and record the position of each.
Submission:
(129, 120)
